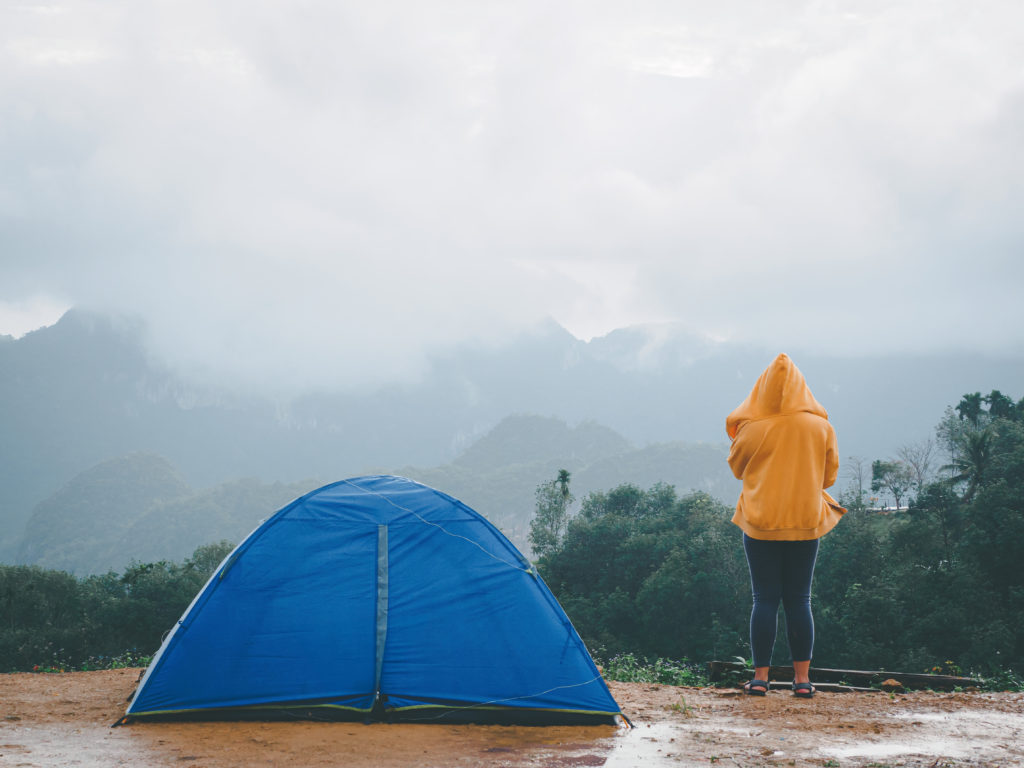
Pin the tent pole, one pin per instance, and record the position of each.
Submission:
(382, 606)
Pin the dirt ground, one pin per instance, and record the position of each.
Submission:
(63, 720)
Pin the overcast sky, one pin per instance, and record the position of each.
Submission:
(330, 187)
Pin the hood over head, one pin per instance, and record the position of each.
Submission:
(780, 389)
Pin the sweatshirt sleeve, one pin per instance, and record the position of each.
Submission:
(831, 458)
(739, 455)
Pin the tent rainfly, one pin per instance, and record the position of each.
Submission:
(375, 598)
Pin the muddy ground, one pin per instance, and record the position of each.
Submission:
(63, 720)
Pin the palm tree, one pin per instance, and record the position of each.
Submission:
(969, 407)
(999, 404)
(972, 460)
(563, 484)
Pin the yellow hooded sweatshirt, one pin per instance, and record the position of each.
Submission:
(784, 450)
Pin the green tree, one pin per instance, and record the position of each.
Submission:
(51, 619)
(948, 432)
(547, 527)
(647, 572)
(971, 463)
(969, 408)
(893, 476)
(851, 566)
(207, 557)
(999, 405)
(40, 616)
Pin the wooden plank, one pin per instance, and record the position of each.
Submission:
(778, 685)
(859, 677)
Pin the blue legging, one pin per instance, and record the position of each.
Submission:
(781, 571)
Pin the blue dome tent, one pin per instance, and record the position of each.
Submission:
(375, 597)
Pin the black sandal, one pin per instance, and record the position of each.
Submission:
(803, 690)
(756, 687)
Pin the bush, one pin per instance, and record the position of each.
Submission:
(628, 668)
(53, 622)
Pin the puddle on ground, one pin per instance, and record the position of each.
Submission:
(642, 745)
(50, 745)
(931, 748)
(645, 744)
(951, 735)
(995, 719)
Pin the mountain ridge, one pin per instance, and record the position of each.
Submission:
(137, 508)
(86, 390)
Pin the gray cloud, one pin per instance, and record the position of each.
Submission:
(324, 193)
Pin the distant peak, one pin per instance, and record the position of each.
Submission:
(19, 318)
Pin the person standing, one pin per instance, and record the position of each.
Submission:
(784, 450)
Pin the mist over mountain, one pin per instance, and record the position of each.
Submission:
(85, 391)
(137, 507)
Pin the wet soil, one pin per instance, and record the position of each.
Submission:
(63, 720)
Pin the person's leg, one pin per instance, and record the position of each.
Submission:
(797, 575)
(802, 671)
(765, 563)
